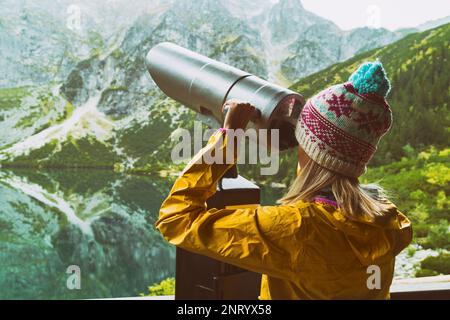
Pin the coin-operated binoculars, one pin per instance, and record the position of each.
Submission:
(204, 85)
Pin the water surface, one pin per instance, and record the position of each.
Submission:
(98, 220)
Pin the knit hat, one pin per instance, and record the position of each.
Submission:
(340, 127)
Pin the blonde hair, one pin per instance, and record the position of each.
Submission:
(354, 200)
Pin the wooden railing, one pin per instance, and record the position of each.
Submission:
(425, 288)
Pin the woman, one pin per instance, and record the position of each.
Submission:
(329, 234)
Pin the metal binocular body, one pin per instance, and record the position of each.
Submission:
(204, 85)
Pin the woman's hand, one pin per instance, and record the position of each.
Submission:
(239, 113)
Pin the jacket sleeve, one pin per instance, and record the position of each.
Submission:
(263, 239)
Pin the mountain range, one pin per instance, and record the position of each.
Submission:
(51, 36)
(104, 110)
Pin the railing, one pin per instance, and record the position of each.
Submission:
(425, 288)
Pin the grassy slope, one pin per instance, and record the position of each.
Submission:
(420, 185)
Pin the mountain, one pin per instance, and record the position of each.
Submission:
(37, 47)
(299, 42)
(247, 9)
(83, 16)
(64, 32)
(42, 41)
(433, 23)
(120, 86)
(425, 26)
(25, 111)
(107, 107)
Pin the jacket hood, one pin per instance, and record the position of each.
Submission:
(374, 240)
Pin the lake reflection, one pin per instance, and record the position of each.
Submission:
(98, 220)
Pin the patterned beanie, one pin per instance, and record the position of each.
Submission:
(340, 127)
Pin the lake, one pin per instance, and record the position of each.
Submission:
(100, 221)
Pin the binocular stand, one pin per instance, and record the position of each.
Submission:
(203, 278)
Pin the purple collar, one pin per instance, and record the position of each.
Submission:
(325, 201)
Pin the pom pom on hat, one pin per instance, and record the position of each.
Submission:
(371, 78)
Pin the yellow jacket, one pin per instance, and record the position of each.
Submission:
(307, 250)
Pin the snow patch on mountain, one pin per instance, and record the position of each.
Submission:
(85, 120)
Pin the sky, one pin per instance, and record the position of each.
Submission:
(389, 14)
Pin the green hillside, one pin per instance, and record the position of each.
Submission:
(419, 185)
(418, 67)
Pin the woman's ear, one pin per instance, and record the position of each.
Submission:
(298, 169)
(302, 157)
